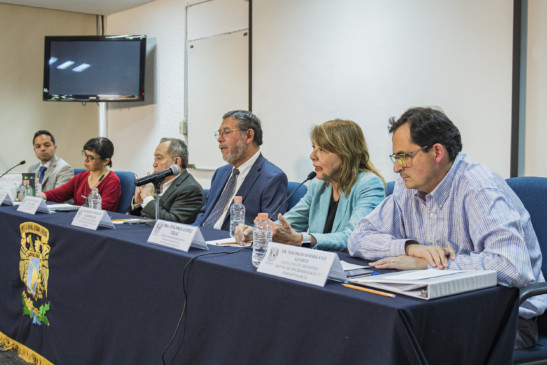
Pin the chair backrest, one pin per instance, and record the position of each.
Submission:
(77, 171)
(389, 187)
(297, 196)
(127, 185)
(532, 191)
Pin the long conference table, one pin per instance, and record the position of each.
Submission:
(113, 298)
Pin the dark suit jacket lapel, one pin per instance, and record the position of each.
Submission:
(252, 176)
(214, 195)
(171, 190)
(247, 185)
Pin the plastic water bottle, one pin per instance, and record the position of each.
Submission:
(237, 214)
(262, 235)
(26, 189)
(94, 199)
(37, 188)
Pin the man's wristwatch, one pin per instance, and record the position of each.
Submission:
(306, 239)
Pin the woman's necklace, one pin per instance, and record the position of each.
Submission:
(94, 186)
(98, 182)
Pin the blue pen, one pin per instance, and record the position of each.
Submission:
(368, 274)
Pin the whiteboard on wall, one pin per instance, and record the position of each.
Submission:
(218, 81)
(365, 60)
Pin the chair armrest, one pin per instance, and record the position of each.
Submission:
(531, 291)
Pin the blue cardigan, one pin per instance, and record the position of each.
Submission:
(310, 213)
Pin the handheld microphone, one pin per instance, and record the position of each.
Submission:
(158, 176)
(19, 164)
(311, 175)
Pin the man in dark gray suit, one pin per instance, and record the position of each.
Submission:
(181, 196)
(52, 171)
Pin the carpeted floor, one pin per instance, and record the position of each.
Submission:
(10, 358)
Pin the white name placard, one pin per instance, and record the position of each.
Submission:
(33, 204)
(177, 235)
(92, 218)
(5, 198)
(301, 264)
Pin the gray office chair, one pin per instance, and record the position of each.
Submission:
(532, 191)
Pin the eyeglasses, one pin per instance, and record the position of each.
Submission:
(225, 132)
(89, 157)
(404, 158)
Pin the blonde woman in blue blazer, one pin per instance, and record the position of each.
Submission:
(347, 188)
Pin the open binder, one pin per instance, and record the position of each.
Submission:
(431, 283)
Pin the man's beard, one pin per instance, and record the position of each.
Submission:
(236, 153)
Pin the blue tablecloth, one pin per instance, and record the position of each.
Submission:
(115, 299)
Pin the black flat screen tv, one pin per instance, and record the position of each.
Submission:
(94, 68)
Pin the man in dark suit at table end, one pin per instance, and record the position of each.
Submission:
(448, 212)
(52, 170)
(181, 196)
(261, 184)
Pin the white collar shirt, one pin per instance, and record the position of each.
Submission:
(243, 172)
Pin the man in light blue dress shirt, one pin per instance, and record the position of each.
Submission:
(449, 212)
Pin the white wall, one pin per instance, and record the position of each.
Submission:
(139, 126)
(21, 81)
(536, 90)
(315, 60)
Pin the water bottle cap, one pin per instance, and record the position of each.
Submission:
(25, 181)
(238, 199)
(262, 216)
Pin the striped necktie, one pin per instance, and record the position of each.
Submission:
(224, 199)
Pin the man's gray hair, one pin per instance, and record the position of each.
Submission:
(245, 121)
(177, 148)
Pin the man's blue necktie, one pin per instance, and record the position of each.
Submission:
(42, 173)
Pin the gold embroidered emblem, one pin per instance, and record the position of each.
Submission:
(34, 271)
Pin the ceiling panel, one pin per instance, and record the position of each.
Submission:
(98, 7)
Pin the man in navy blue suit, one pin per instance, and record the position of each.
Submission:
(261, 184)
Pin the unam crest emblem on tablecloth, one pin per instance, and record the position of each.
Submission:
(34, 271)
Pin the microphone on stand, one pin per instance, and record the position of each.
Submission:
(19, 164)
(158, 176)
(311, 175)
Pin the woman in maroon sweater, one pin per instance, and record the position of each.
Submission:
(97, 154)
